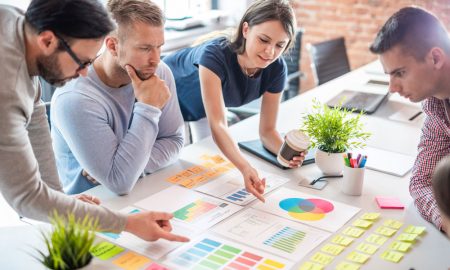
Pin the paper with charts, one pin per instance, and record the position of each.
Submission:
(273, 234)
(191, 210)
(308, 209)
(213, 252)
(154, 250)
(230, 187)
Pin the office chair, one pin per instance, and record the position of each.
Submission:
(329, 60)
(291, 89)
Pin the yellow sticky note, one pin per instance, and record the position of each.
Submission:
(205, 157)
(407, 237)
(208, 165)
(347, 266)
(376, 239)
(367, 248)
(332, 249)
(321, 258)
(196, 169)
(131, 261)
(385, 231)
(310, 266)
(362, 223)
(357, 257)
(395, 224)
(400, 246)
(342, 240)
(106, 250)
(370, 216)
(391, 256)
(354, 232)
(415, 229)
(217, 159)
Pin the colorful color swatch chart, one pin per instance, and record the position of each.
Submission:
(311, 210)
(230, 187)
(154, 250)
(306, 209)
(192, 210)
(287, 239)
(273, 234)
(212, 167)
(212, 252)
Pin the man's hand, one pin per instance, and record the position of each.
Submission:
(152, 226)
(253, 184)
(152, 91)
(87, 198)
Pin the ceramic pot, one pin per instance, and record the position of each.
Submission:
(329, 163)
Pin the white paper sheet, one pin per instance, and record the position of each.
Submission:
(215, 252)
(312, 210)
(388, 162)
(230, 187)
(273, 234)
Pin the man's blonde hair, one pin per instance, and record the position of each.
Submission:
(126, 12)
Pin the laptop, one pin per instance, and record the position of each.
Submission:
(358, 101)
(257, 148)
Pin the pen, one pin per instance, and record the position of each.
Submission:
(363, 162)
(346, 161)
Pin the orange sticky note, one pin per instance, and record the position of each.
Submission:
(131, 261)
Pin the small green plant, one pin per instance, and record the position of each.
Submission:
(69, 243)
(334, 130)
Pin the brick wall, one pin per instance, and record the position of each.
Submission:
(357, 20)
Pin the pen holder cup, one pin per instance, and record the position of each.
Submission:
(352, 181)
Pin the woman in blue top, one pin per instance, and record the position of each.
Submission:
(222, 73)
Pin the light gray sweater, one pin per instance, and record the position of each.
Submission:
(28, 177)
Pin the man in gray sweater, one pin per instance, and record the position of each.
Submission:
(58, 40)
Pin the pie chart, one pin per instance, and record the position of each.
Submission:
(306, 209)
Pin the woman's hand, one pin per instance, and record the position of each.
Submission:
(297, 161)
(253, 184)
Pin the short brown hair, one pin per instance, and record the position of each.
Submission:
(441, 186)
(125, 12)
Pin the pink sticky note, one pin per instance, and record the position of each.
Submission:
(389, 202)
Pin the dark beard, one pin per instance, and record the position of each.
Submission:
(50, 70)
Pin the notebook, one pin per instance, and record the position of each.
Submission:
(388, 162)
(256, 147)
(358, 101)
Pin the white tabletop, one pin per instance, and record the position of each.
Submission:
(431, 252)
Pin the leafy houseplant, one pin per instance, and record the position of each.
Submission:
(69, 243)
(333, 130)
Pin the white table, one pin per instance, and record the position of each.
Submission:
(432, 252)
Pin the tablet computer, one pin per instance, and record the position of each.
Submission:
(358, 101)
(257, 148)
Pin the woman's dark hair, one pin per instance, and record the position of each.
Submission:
(441, 185)
(81, 19)
(261, 11)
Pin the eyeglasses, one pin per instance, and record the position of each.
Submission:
(81, 65)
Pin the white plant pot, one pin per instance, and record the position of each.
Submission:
(329, 163)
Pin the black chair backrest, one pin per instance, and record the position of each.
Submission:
(292, 59)
(47, 108)
(329, 60)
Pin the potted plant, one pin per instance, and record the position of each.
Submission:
(333, 131)
(69, 243)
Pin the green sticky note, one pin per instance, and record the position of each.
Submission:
(370, 216)
(106, 250)
(321, 258)
(385, 231)
(415, 229)
(342, 240)
(332, 249)
(311, 266)
(400, 246)
(395, 224)
(347, 266)
(354, 232)
(407, 237)
(391, 256)
(362, 223)
(376, 239)
(357, 257)
(367, 248)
